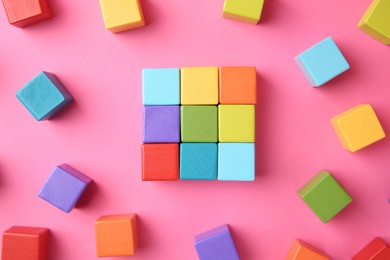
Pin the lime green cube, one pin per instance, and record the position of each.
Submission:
(199, 124)
(247, 11)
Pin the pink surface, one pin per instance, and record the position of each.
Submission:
(100, 134)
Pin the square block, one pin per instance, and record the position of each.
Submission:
(22, 13)
(161, 86)
(64, 187)
(122, 15)
(27, 243)
(303, 251)
(325, 196)
(44, 96)
(376, 21)
(237, 85)
(216, 244)
(247, 11)
(160, 162)
(199, 86)
(199, 124)
(116, 235)
(377, 249)
(236, 161)
(161, 124)
(236, 123)
(358, 127)
(198, 161)
(322, 62)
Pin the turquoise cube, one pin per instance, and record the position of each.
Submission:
(198, 161)
(161, 86)
(322, 62)
(236, 161)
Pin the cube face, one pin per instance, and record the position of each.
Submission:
(23, 13)
(248, 11)
(160, 162)
(377, 249)
(301, 251)
(199, 124)
(161, 124)
(236, 123)
(322, 62)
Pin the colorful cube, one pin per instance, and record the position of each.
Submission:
(377, 249)
(161, 124)
(303, 251)
(22, 13)
(322, 62)
(236, 123)
(325, 196)
(247, 11)
(199, 124)
(358, 127)
(160, 162)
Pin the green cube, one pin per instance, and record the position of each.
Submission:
(324, 195)
(199, 124)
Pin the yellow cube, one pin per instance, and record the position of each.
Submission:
(358, 127)
(122, 15)
(376, 21)
(199, 86)
(236, 123)
(247, 11)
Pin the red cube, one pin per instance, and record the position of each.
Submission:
(377, 249)
(22, 13)
(160, 162)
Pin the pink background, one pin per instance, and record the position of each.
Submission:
(100, 133)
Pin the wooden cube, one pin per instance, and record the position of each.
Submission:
(236, 123)
(377, 249)
(247, 11)
(160, 162)
(22, 13)
(303, 251)
(199, 124)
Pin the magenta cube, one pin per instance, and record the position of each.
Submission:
(161, 124)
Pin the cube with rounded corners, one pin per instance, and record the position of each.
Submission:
(161, 124)
(199, 124)
(160, 162)
(247, 11)
(236, 123)
(22, 13)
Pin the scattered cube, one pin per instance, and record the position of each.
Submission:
(199, 124)
(325, 196)
(377, 249)
(247, 11)
(161, 124)
(358, 127)
(236, 123)
(27, 243)
(116, 235)
(303, 251)
(64, 187)
(160, 162)
(322, 62)
(216, 244)
(22, 13)
(44, 96)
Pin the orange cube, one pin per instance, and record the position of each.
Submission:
(160, 162)
(303, 251)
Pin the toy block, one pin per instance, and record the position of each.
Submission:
(322, 62)
(161, 124)
(161, 86)
(376, 21)
(44, 96)
(237, 85)
(216, 244)
(377, 249)
(236, 123)
(199, 86)
(247, 11)
(122, 15)
(64, 187)
(199, 124)
(198, 161)
(22, 13)
(303, 251)
(160, 162)
(27, 243)
(116, 235)
(324, 196)
(358, 127)
(236, 161)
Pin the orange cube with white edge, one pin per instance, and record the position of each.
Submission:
(303, 251)
(358, 127)
(116, 235)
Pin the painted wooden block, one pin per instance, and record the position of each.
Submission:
(27, 243)
(198, 161)
(216, 244)
(44, 96)
(237, 85)
(64, 187)
(161, 124)
(376, 21)
(247, 11)
(236, 123)
(322, 62)
(377, 249)
(325, 196)
(199, 86)
(199, 124)
(236, 161)
(358, 127)
(303, 251)
(22, 13)
(116, 235)
(160, 162)
(161, 86)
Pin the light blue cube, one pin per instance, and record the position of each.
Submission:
(322, 62)
(236, 161)
(161, 86)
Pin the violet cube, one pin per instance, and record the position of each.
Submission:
(161, 124)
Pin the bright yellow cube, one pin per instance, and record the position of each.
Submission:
(236, 123)
(376, 21)
(199, 86)
(358, 127)
(247, 11)
(122, 15)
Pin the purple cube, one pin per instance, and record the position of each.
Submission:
(64, 187)
(216, 244)
(161, 124)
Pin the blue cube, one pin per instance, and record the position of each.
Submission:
(322, 62)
